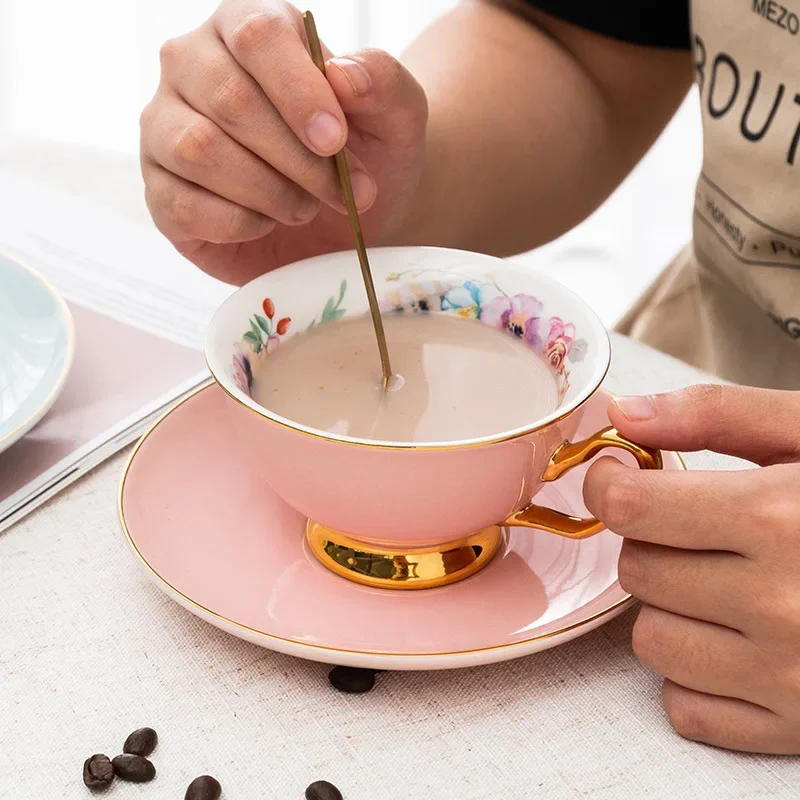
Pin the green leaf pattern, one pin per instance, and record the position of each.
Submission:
(263, 330)
(333, 308)
(263, 324)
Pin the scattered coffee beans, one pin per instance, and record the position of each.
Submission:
(203, 788)
(352, 679)
(136, 769)
(322, 790)
(141, 742)
(98, 771)
(132, 765)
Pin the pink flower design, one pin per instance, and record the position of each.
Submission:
(271, 345)
(519, 315)
(559, 342)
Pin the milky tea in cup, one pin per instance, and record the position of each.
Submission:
(454, 378)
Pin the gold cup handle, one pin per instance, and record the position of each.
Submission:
(567, 456)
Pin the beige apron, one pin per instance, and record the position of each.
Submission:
(730, 302)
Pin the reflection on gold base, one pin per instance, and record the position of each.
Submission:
(413, 568)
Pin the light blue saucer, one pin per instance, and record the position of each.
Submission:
(37, 345)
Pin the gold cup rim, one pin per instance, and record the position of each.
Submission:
(70, 356)
(318, 648)
(581, 399)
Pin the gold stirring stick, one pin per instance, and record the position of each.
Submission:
(352, 213)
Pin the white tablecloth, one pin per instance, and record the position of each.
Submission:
(90, 650)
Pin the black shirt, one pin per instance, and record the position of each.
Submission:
(658, 23)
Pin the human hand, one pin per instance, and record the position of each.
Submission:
(715, 559)
(234, 144)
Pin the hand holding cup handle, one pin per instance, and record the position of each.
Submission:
(566, 457)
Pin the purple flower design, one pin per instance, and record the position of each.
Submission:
(519, 315)
(242, 370)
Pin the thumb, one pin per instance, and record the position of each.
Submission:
(759, 425)
(380, 97)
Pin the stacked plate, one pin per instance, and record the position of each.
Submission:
(37, 345)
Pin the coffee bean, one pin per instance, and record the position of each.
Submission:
(131, 767)
(351, 679)
(203, 788)
(98, 771)
(141, 742)
(322, 790)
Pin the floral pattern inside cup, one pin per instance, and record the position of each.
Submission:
(521, 315)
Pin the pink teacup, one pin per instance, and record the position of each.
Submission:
(415, 515)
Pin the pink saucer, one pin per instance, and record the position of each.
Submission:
(217, 540)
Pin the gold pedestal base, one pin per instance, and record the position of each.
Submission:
(403, 568)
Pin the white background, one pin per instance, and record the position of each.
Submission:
(79, 71)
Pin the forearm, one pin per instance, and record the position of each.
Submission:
(530, 129)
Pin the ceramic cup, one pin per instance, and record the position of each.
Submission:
(415, 515)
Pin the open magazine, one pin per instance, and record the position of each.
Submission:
(140, 313)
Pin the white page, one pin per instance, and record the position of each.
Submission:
(104, 262)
